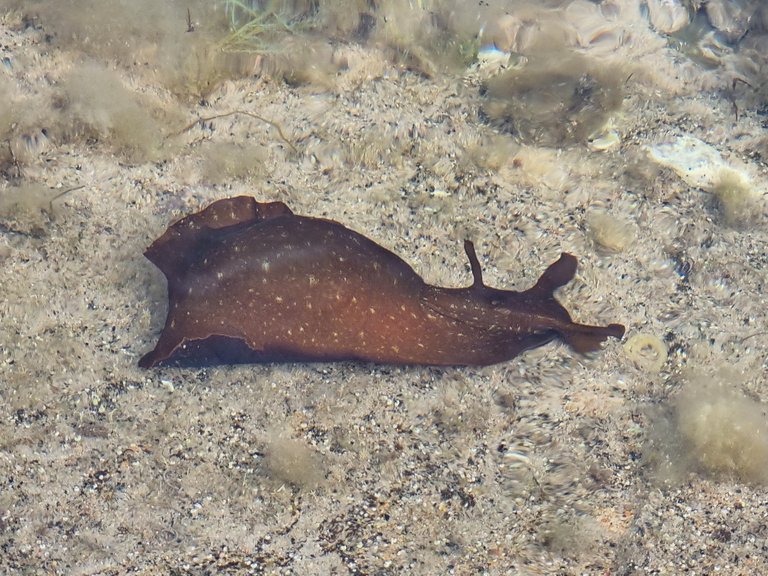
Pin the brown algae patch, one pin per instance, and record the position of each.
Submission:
(712, 428)
(610, 232)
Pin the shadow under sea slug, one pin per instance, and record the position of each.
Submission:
(253, 282)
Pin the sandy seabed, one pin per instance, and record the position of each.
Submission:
(649, 457)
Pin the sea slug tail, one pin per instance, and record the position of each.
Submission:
(583, 338)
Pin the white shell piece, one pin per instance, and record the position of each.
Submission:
(695, 161)
(492, 57)
(605, 141)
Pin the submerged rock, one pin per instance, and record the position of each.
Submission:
(555, 99)
(732, 17)
(668, 16)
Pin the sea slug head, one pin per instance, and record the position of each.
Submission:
(170, 251)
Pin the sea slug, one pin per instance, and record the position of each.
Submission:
(253, 282)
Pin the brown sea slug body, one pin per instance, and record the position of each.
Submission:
(253, 282)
